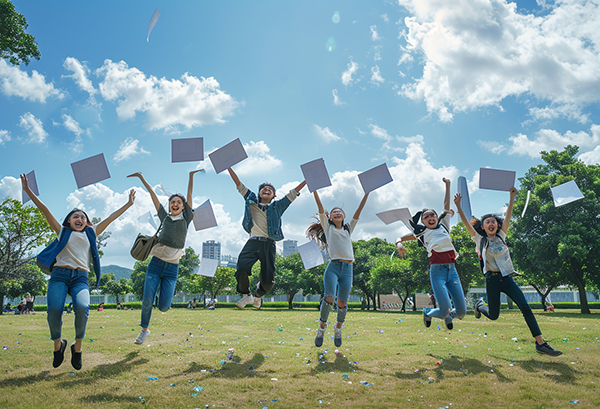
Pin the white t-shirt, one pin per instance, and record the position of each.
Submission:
(439, 239)
(339, 243)
(495, 255)
(77, 253)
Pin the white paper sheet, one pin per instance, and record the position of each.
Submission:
(392, 216)
(310, 254)
(315, 174)
(526, 203)
(465, 202)
(204, 216)
(228, 155)
(164, 190)
(207, 267)
(152, 23)
(566, 193)
(375, 178)
(496, 179)
(32, 181)
(187, 150)
(89, 171)
(148, 218)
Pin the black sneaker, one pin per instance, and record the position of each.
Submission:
(59, 355)
(75, 358)
(449, 325)
(426, 319)
(546, 349)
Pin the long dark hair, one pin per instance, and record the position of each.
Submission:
(478, 223)
(66, 223)
(315, 232)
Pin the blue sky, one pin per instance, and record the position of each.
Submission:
(433, 88)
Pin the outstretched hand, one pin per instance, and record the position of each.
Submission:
(401, 250)
(513, 192)
(24, 182)
(131, 197)
(196, 171)
(446, 181)
(457, 199)
(136, 174)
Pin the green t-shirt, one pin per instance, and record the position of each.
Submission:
(174, 232)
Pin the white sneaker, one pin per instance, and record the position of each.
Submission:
(140, 339)
(320, 335)
(244, 300)
(337, 336)
(257, 302)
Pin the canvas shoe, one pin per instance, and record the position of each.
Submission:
(140, 339)
(426, 319)
(257, 302)
(244, 300)
(449, 325)
(476, 308)
(337, 336)
(59, 355)
(75, 358)
(546, 349)
(320, 334)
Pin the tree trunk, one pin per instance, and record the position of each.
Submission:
(585, 309)
(1, 303)
(291, 299)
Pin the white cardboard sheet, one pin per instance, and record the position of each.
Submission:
(32, 181)
(392, 216)
(375, 178)
(310, 254)
(152, 23)
(496, 179)
(566, 193)
(207, 267)
(89, 171)
(204, 216)
(227, 156)
(187, 150)
(465, 202)
(316, 175)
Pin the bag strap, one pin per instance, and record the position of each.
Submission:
(159, 227)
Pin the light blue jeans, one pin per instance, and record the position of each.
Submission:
(65, 281)
(445, 283)
(158, 273)
(338, 275)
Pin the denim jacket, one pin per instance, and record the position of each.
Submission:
(47, 257)
(274, 212)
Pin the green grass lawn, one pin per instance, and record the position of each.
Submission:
(387, 360)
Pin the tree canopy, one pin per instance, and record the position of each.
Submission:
(16, 45)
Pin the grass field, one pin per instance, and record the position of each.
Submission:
(387, 360)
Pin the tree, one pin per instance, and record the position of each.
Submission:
(365, 257)
(467, 264)
(553, 244)
(118, 287)
(187, 265)
(394, 275)
(16, 46)
(23, 229)
(105, 279)
(223, 279)
(291, 278)
(30, 280)
(138, 276)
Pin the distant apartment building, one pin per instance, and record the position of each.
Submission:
(229, 261)
(211, 249)
(290, 247)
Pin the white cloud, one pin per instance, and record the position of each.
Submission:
(72, 125)
(377, 53)
(169, 104)
(385, 18)
(349, 73)
(492, 146)
(10, 187)
(374, 34)
(326, 134)
(569, 111)
(34, 128)
(591, 157)
(4, 136)
(478, 53)
(13, 81)
(336, 99)
(129, 148)
(390, 142)
(376, 77)
(80, 75)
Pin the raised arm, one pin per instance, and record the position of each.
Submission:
(155, 200)
(513, 194)
(319, 204)
(100, 227)
(447, 195)
(360, 206)
(300, 186)
(54, 224)
(191, 186)
(234, 176)
(463, 216)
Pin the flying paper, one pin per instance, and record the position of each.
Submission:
(495, 179)
(89, 171)
(187, 150)
(310, 254)
(526, 203)
(147, 218)
(207, 267)
(315, 174)
(375, 178)
(227, 156)
(392, 216)
(566, 193)
(204, 216)
(32, 181)
(465, 203)
(152, 23)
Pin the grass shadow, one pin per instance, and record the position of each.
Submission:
(564, 373)
(108, 398)
(339, 364)
(236, 368)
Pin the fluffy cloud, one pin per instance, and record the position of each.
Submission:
(169, 104)
(4, 136)
(325, 134)
(129, 148)
(336, 99)
(545, 140)
(591, 157)
(10, 187)
(34, 128)
(390, 140)
(376, 77)
(13, 81)
(374, 34)
(80, 75)
(478, 53)
(347, 76)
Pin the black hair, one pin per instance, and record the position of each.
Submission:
(478, 223)
(315, 232)
(260, 187)
(66, 223)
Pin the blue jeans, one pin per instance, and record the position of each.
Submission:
(165, 274)
(495, 284)
(65, 281)
(338, 274)
(445, 283)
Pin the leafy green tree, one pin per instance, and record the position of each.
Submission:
(118, 287)
(187, 264)
(555, 245)
(365, 257)
(291, 278)
(138, 276)
(222, 282)
(23, 229)
(105, 279)
(30, 280)
(16, 46)
(467, 264)
(394, 275)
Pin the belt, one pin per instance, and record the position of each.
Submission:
(494, 273)
(260, 238)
